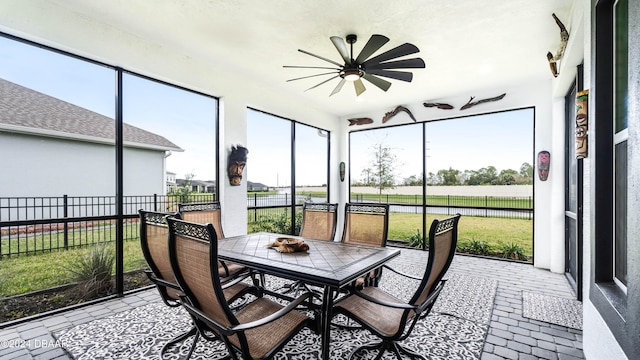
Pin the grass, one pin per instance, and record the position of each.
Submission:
(450, 200)
(84, 234)
(26, 273)
(493, 231)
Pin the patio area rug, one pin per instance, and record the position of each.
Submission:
(552, 309)
(456, 329)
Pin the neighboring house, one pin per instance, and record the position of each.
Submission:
(64, 149)
(171, 181)
(251, 186)
(199, 186)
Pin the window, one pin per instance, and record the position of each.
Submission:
(401, 164)
(60, 124)
(278, 148)
(620, 138)
(614, 169)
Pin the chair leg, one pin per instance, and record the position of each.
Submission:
(177, 339)
(379, 345)
(193, 346)
(391, 346)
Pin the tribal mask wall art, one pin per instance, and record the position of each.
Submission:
(237, 162)
(544, 161)
(582, 124)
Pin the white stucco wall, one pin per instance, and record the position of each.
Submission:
(53, 167)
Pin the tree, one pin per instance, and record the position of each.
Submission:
(484, 176)
(412, 180)
(449, 177)
(367, 176)
(526, 170)
(383, 167)
(185, 189)
(507, 177)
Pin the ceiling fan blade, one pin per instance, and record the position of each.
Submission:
(310, 67)
(338, 87)
(398, 51)
(398, 64)
(359, 86)
(340, 45)
(375, 42)
(310, 76)
(326, 81)
(399, 75)
(381, 83)
(321, 58)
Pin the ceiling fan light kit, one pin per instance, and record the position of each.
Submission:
(372, 69)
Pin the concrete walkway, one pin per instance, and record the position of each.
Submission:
(511, 336)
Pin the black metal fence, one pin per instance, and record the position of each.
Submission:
(38, 224)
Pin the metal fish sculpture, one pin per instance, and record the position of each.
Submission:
(360, 121)
(441, 106)
(395, 112)
(472, 103)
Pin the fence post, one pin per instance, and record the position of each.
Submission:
(255, 204)
(155, 202)
(486, 206)
(65, 214)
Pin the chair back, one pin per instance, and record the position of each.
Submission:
(154, 237)
(443, 238)
(366, 224)
(203, 213)
(193, 251)
(319, 220)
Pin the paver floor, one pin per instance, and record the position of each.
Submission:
(511, 336)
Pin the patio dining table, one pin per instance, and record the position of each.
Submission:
(327, 264)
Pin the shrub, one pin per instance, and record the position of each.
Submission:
(280, 224)
(478, 247)
(513, 250)
(93, 272)
(415, 239)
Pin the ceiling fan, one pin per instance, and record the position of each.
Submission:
(364, 66)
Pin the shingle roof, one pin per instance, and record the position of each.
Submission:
(27, 109)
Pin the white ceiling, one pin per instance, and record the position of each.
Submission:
(467, 45)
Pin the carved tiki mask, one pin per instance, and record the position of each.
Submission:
(544, 161)
(237, 161)
(582, 124)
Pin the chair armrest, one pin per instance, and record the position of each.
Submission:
(200, 316)
(232, 280)
(276, 315)
(161, 282)
(358, 293)
(431, 299)
(401, 273)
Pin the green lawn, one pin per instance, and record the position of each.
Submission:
(26, 273)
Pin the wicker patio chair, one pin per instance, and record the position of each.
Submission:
(319, 221)
(209, 213)
(366, 224)
(256, 331)
(390, 318)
